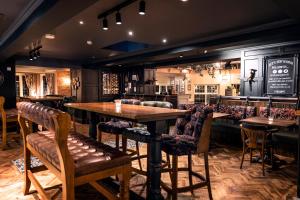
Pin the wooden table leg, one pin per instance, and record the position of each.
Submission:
(93, 125)
(154, 157)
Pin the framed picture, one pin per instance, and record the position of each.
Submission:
(189, 87)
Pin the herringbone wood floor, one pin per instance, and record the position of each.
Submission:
(228, 181)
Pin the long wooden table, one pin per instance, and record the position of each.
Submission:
(217, 115)
(151, 116)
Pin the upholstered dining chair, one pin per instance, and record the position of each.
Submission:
(192, 136)
(74, 158)
(7, 116)
(256, 137)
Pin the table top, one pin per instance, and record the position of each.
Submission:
(136, 113)
(220, 115)
(43, 98)
(266, 121)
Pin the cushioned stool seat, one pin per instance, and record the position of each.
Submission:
(139, 134)
(89, 156)
(114, 126)
(178, 144)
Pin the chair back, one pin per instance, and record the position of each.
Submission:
(55, 121)
(2, 112)
(205, 120)
(251, 134)
(161, 104)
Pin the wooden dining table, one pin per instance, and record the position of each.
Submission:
(217, 115)
(265, 121)
(153, 117)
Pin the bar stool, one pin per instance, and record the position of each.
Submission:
(116, 127)
(256, 137)
(194, 139)
(7, 116)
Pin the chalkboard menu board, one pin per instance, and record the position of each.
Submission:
(281, 76)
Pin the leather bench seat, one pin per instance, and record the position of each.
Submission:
(89, 156)
(286, 136)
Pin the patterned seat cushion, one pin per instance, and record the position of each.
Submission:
(139, 134)
(278, 113)
(114, 126)
(187, 132)
(89, 156)
(131, 101)
(161, 104)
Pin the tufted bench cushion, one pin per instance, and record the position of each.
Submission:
(89, 156)
(161, 104)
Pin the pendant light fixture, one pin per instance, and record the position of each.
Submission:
(105, 24)
(142, 7)
(118, 18)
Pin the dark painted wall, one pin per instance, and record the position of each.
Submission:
(8, 88)
(254, 58)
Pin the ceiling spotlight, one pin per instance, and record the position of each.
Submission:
(89, 42)
(81, 22)
(142, 8)
(164, 40)
(105, 24)
(50, 36)
(184, 0)
(34, 55)
(30, 56)
(205, 51)
(130, 33)
(37, 53)
(118, 18)
(181, 56)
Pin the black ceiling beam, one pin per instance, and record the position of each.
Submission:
(116, 8)
(273, 32)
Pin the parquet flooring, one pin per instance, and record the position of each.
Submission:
(228, 181)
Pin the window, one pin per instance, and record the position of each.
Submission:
(110, 83)
(18, 86)
(44, 85)
(25, 88)
(203, 93)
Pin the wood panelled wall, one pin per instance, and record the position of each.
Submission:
(8, 88)
(254, 58)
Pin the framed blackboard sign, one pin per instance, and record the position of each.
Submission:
(281, 75)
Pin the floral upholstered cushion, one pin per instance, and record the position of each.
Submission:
(114, 126)
(187, 132)
(283, 113)
(140, 134)
(250, 111)
(236, 112)
(131, 101)
(263, 112)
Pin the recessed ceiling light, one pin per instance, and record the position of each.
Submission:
(130, 33)
(81, 22)
(181, 56)
(50, 36)
(120, 65)
(184, 0)
(164, 40)
(89, 42)
(118, 18)
(205, 51)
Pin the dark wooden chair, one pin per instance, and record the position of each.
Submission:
(192, 137)
(8, 116)
(255, 137)
(74, 158)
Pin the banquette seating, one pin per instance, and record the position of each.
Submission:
(74, 158)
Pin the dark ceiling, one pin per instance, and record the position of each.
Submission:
(175, 20)
(172, 19)
(9, 11)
